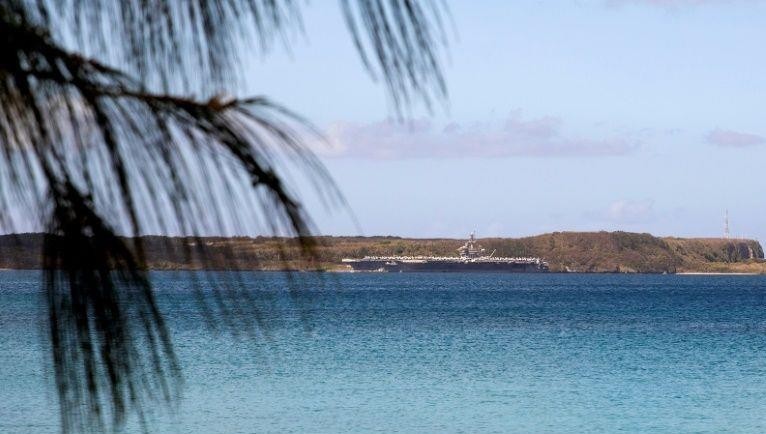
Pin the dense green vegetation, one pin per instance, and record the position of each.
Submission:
(565, 251)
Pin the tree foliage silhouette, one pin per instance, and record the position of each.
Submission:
(102, 138)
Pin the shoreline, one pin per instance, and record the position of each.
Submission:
(716, 273)
(345, 271)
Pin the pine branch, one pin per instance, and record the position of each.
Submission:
(95, 143)
(179, 45)
(95, 152)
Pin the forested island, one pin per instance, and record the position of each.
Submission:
(601, 252)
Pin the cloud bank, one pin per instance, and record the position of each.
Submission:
(630, 211)
(734, 139)
(679, 3)
(541, 137)
(623, 212)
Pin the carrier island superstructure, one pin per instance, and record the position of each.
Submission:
(471, 257)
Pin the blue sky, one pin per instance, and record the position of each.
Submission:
(562, 115)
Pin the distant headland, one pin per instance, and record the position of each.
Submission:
(600, 252)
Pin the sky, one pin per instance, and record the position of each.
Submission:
(635, 115)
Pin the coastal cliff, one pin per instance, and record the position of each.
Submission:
(633, 252)
(565, 252)
(588, 251)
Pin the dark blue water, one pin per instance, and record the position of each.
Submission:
(440, 353)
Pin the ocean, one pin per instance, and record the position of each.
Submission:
(435, 353)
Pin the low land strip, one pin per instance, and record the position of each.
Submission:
(600, 252)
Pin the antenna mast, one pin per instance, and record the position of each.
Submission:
(726, 233)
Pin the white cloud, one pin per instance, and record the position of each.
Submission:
(516, 136)
(734, 139)
(680, 3)
(630, 211)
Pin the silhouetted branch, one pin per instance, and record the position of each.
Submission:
(190, 42)
(405, 51)
(92, 152)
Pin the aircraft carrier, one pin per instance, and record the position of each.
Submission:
(472, 258)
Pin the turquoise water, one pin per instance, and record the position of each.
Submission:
(441, 353)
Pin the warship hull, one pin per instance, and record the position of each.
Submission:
(471, 259)
(445, 266)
